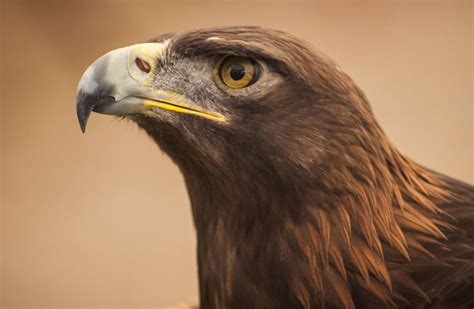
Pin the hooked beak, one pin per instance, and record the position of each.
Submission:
(120, 83)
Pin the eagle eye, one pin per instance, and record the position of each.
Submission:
(238, 72)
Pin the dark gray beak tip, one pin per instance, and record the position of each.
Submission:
(84, 106)
(89, 102)
(83, 117)
(83, 126)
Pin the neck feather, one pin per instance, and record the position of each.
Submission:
(294, 230)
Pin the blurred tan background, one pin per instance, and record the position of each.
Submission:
(103, 219)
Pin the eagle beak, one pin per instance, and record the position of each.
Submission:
(121, 83)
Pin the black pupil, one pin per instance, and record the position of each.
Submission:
(237, 72)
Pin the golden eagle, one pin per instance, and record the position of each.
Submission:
(299, 199)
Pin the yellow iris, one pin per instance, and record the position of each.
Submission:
(237, 72)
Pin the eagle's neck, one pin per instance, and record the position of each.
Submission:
(290, 229)
(267, 241)
(244, 249)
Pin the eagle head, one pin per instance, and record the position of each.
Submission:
(246, 97)
(298, 198)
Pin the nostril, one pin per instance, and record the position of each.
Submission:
(143, 65)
